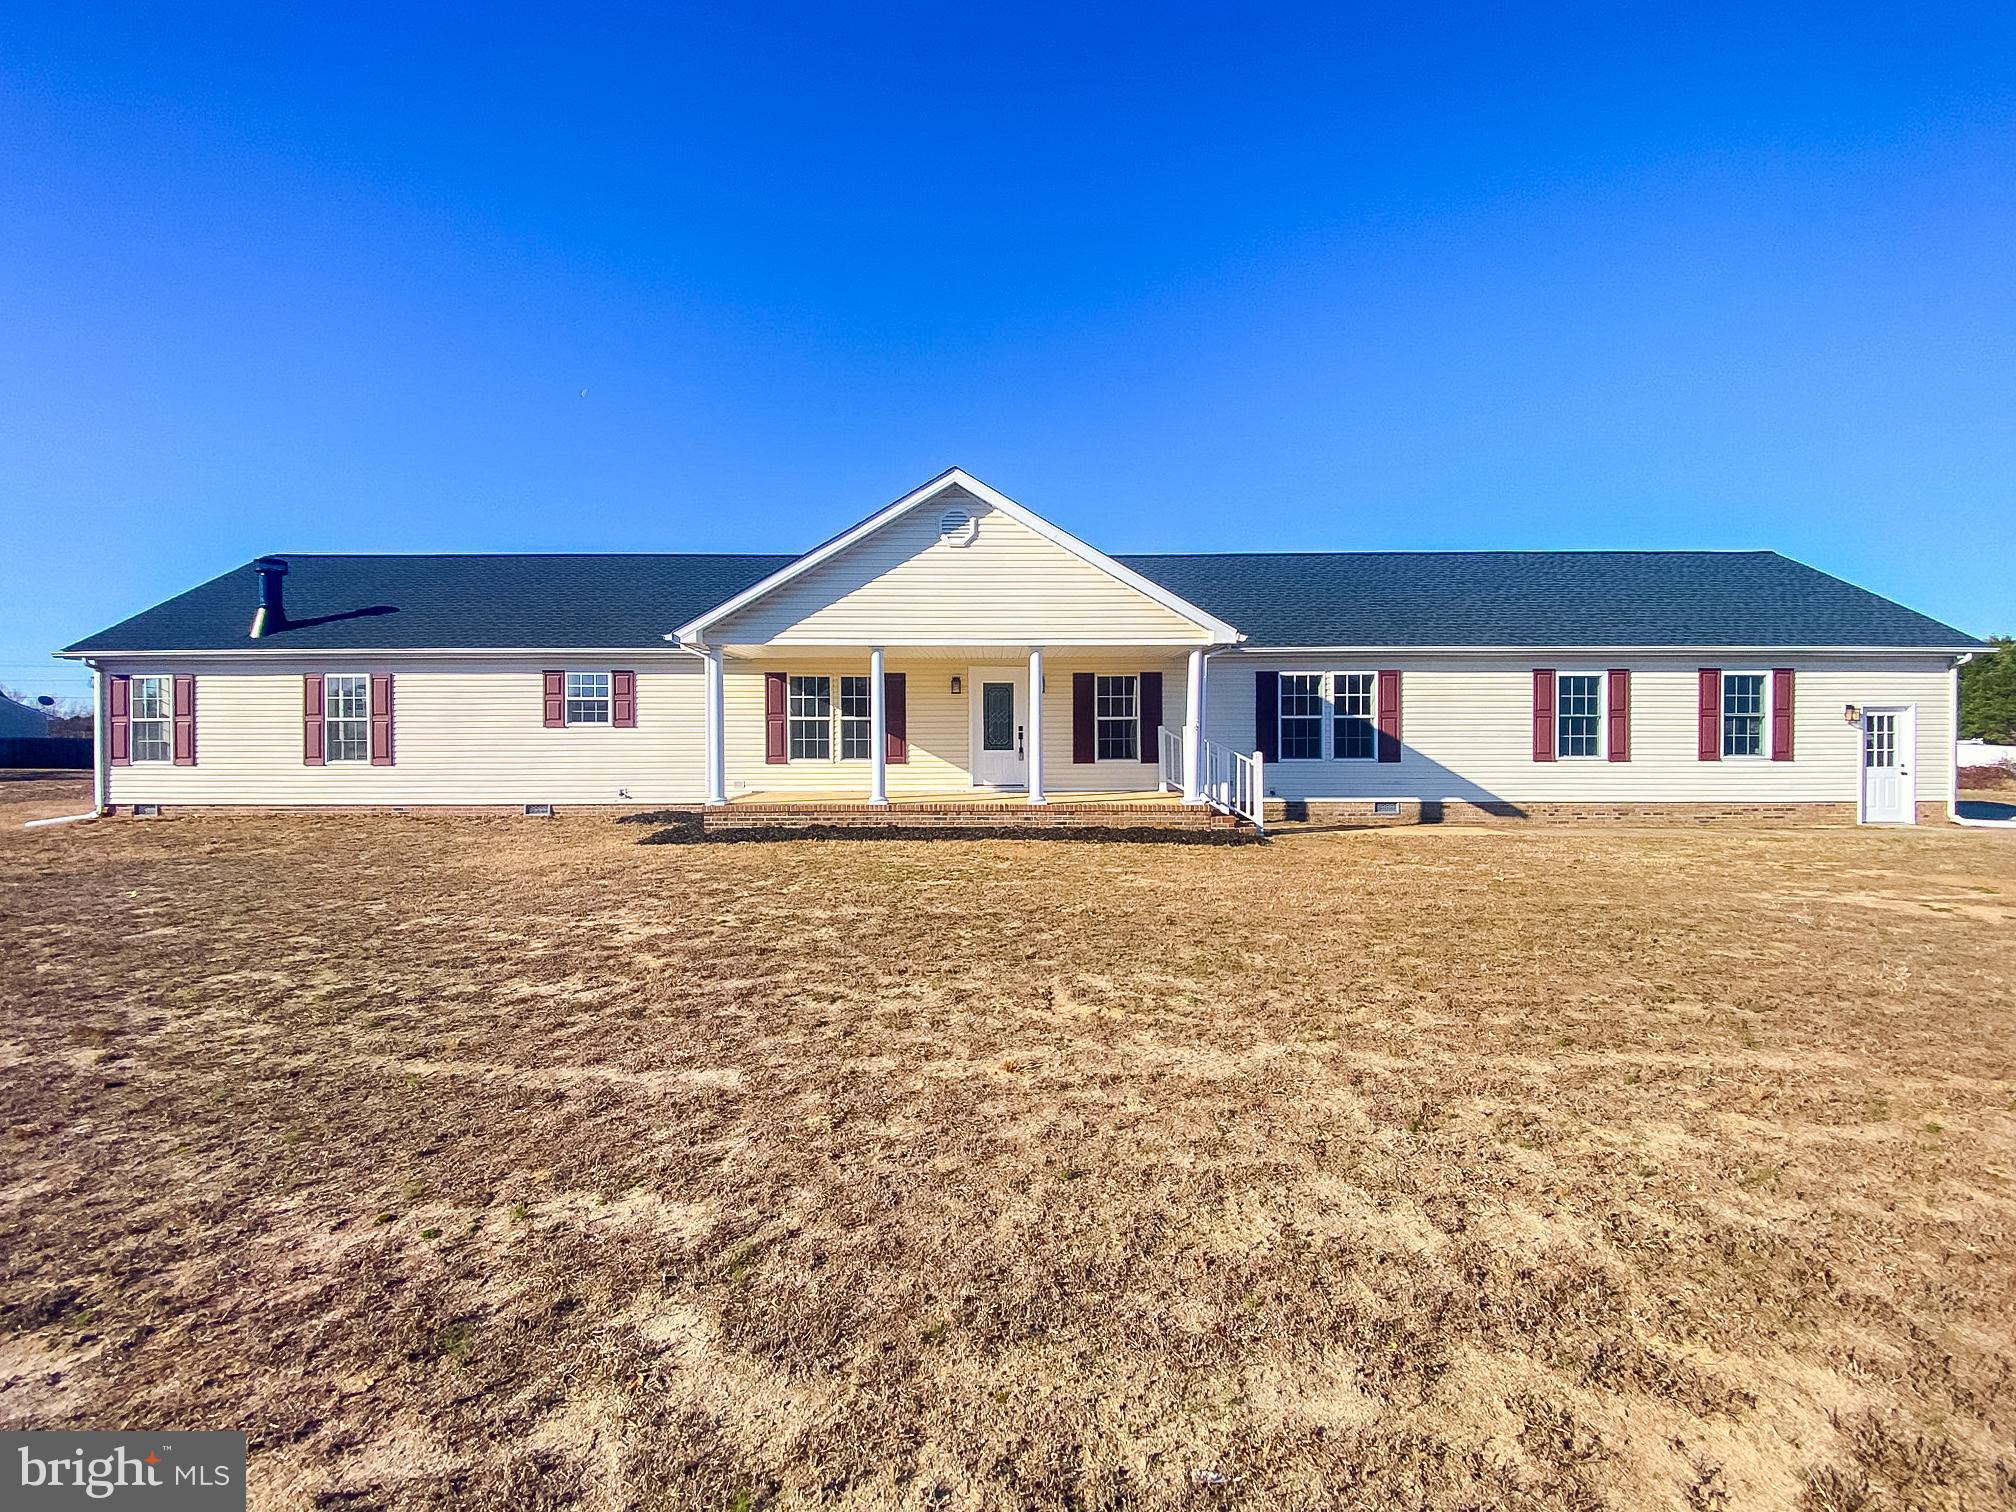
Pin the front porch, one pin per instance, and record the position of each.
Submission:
(915, 726)
(956, 656)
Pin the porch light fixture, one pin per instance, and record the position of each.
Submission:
(1850, 714)
(955, 682)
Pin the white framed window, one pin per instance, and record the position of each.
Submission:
(150, 710)
(346, 717)
(1578, 715)
(1354, 716)
(809, 708)
(856, 741)
(1116, 709)
(1301, 716)
(588, 698)
(1746, 713)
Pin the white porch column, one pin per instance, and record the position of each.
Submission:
(878, 731)
(717, 766)
(1036, 726)
(1193, 730)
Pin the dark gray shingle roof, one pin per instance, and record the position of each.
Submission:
(1540, 598)
(1484, 598)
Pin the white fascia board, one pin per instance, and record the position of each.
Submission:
(693, 630)
(355, 653)
(1588, 648)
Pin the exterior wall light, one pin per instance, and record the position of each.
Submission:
(1850, 714)
(955, 682)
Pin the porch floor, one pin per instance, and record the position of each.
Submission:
(853, 798)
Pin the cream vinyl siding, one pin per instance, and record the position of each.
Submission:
(464, 732)
(902, 586)
(936, 730)
(1467, 730)
(1063, 775)
(940, 727)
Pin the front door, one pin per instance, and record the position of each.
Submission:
(1889, 793)
(1000, 726)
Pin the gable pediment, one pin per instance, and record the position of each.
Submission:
(956, 563)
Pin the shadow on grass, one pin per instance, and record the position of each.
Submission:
(676, 827)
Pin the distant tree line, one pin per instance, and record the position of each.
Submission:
(1988, 694)
(67, 716)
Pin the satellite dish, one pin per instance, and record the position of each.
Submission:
(46, 701)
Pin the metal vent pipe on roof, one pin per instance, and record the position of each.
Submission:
(271, 615)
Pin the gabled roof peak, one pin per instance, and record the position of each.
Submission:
(694, 630)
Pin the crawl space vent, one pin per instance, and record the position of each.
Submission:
(957, 527)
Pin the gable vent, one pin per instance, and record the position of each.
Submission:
(957, 527)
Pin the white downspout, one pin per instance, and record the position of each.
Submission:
(101, 777)
(1953, 740)
(98, 793)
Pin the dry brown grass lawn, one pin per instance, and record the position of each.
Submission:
(488, 1162)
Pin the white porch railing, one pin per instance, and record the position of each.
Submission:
(1169, 762)
(1234, 782)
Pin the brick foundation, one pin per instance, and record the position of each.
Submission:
(1359, 812)
(963, 816)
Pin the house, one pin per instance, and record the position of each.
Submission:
(957, 646)
(21, 721)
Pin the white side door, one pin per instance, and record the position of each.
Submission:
(998, 700)
(1889, 791)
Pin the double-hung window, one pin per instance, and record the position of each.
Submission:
(810, 710)
(1744, 713)
(346, 717)
(1301, 716)
(1117, 710)
(152, 705)
(1578, 715)
(588, 698)
(1354, 715)
(856, 742)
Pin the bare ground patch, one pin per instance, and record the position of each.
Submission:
(472, 1162)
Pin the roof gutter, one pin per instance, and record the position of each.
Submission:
(1584, 647)
(281, 653)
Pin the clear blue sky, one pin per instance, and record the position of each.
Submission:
(1219, 278)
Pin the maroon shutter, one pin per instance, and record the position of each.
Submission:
(1151, 717)
(1084, 728)
(185, 720)
(556, 699)
(1267, 715)
(118, 717)
(1708, 716)
(1543, 713)
(776, 741)
(1389, 716)
(623, 700)
(1620, 714)
(381, 719)
(1781, 714)
(311, 720)
(895, 718)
